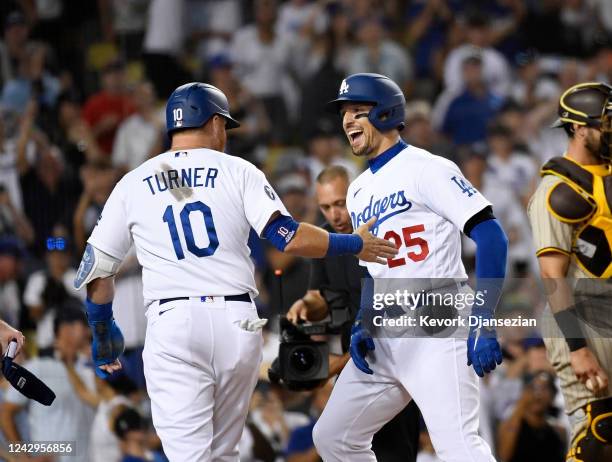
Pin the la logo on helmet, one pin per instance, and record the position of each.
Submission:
(344, 88)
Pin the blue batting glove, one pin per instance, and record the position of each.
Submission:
(361, 343)
(483, 350)
(107, 343)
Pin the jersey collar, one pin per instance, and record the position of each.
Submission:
(379, 161)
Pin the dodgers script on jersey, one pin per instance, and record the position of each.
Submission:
(422, 202)
(189, 215)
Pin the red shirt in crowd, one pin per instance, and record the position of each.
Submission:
(102, 105)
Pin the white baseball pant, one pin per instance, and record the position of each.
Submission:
(433, 372)
(201, 369)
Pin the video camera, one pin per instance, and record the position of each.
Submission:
(303, 363)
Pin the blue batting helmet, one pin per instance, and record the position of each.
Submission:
(192, 104)
(389, 102)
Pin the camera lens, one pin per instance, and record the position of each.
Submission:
(302, 359)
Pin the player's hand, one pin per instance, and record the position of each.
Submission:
(483, 350)
(8, 333)
(374, 249)
(361, 343)
(106, 347)
(585, 366)
(298, 312)
(112, 367)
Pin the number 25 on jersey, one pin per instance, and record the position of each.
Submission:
(409, 240)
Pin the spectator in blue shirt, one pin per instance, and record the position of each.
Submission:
(470, 111)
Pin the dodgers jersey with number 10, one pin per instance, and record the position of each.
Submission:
(422, 202)
(189, 214)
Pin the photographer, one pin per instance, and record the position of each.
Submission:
(336, 281)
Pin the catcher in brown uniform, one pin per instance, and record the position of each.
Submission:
(571, 218)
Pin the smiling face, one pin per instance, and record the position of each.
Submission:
(362, 136)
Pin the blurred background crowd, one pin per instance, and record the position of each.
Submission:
(82, 90)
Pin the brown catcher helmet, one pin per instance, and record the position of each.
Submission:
(589, 104)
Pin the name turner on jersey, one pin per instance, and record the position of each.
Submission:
(183, 178)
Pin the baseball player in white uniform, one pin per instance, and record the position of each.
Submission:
(188, 212)
(422, 203)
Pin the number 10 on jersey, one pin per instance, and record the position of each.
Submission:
(185, 215)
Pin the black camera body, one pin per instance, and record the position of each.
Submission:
(303, 363)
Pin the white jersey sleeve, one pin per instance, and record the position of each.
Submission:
(260, 200)
(447, 193)
(111, 234)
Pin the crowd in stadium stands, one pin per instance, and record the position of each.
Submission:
(82, 91)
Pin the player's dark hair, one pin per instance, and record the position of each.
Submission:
(569, 130)
(332, 172)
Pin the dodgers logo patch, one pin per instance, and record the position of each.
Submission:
(464, 185)
(395, 203)
(344, 88)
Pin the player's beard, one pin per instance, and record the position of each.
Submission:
(366, 148)
(592, 144)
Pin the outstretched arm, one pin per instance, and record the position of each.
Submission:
(268, 216)
(305, 240)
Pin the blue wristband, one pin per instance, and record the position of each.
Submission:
(344, 244)
(97, 312)
(280, 231)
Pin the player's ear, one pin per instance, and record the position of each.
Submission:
(218, 122)
(211, 127)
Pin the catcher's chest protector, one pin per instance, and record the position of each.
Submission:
(584, 199)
